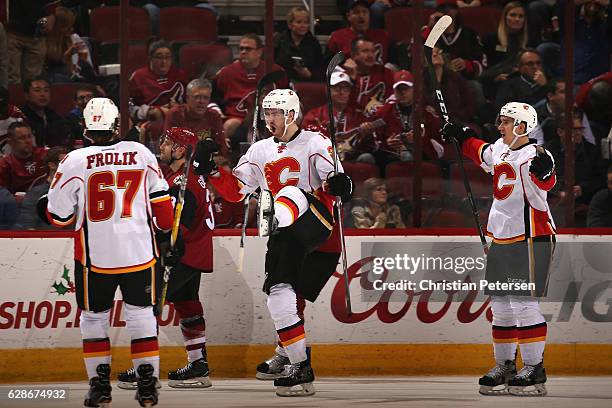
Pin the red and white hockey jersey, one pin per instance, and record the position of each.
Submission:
(305, 162)
(519, 209)
(113, 191)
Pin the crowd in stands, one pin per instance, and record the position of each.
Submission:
(494, 52)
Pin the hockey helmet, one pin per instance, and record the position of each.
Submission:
(101, 114)
(520, 112)
(180, 136)
(285, 100)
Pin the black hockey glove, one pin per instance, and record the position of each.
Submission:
(171, 256)
(41, 208)
(341, 186)
(203, 163)
(452, 131)
(542, 165)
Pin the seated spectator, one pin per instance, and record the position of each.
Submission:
(160, 84)
(197, 115)
(397, 137)
(591, 38)
(594, 99)
(297, 50)
(25, 163)
(588, 165)
(502, 48)
(528, 85)
(358, 17)
(67, 56)
(82, 95)
(373, 82)
(549, 109)
(235, 84)
(458, 96)
(29, 218)
(373, 210)
(352, 128)
(9, 114)
(8, 209)
(600, 208)
(48, 128)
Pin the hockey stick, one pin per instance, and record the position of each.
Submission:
(265, 80)
(245, 219)
(435, 33)
(336, 60)
(178, 211)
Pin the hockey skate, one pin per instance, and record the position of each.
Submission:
(272, 368)
(266, 221)
(127, 380)
(529, 382)
(147, 394)
(193, 375)
(297, 381)
(491, 383)
(99, 394)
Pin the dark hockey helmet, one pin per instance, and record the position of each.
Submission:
(180, 136)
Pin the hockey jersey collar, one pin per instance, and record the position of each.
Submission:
(107, 143)
(296, 134)
(531, 142)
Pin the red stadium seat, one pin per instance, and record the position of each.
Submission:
(400, 176)
(399, 22)
(15, 92)
(483, 20)
(445, 218)
(105, 24)
(312, 94)
(187, 24)
(360, 172)
(194, 58)
(137, 57)
(480, 182)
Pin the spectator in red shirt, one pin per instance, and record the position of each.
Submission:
(235, 84)
(358, 17)
(8, 114)
(25, 163)
(159, 84)
(373, 82)
(196, 114)
(397, 137)
(352, 128)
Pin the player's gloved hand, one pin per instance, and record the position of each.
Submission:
(542, 165)
(41, 208)
(203, 163)
(452, 131)
(340, 185)
(173, 255)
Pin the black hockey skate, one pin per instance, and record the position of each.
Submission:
(127, 380)
(272, 368)
(99, 394)
(529, 382)
(193, 375)
(491, 383)
(297, 381)
(147, 394)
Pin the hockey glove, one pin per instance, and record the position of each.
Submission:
(203, 163)
(171, 256)
(542, 165)
(41, 208)
(452, 131)
(341, 186)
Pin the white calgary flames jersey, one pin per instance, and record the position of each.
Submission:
(109, 189)
(519, 209)
(305, 162)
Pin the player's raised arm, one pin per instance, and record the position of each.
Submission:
(479, 151)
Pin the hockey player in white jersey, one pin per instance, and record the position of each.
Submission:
(114, 192)
(523, 232)
(295, 172)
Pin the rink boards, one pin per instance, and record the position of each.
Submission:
(415, 334)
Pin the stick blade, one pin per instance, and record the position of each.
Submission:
(336, 60)
(437, 31)
(270, 78)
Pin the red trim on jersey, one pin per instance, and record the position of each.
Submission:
(57, 221)
(125, 269)
(472, 149)
(163, 213)
(227, 185)
(540, 223)
(544, 185)
(70, 179)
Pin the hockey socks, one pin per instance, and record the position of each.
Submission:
(146, 351)
(193, 327)
(293, 340)
(532, 340)
(96, 352)
(282, 304)
(505, 340)
(289, 204)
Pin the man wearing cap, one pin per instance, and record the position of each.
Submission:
(358, 17)
(373, 82)
(397, 138)
(9, 114)
(349, 121)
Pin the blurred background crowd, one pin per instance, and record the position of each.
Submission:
(197, 63)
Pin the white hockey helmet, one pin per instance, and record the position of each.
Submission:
(520, 112)
(284, 99)
(101, 114)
